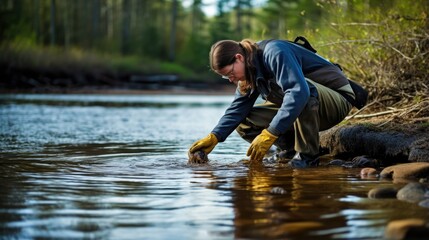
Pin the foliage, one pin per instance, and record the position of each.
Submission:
(383, 44)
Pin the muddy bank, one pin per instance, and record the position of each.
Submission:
(391, 144)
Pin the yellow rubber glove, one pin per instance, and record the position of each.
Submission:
(205, 144)
(260, 145)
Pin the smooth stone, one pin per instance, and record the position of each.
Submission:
(382, 192)
(368, 171)
(424, 203)
(412, 228)
(406, 170)
(412, 192)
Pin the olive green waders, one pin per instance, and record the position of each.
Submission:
(319, 114)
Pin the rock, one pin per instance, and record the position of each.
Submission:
(412, 228)
(365, 161)
(424, 203)
(197, 157)
(361, 161)
(407, 170)
(412, 192)
(391, 145)
(368, 172)
(382, 192)
(278, 190)
(337, 162)
(419, 150)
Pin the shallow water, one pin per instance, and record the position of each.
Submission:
(115, 167)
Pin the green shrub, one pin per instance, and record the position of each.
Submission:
(382, 44)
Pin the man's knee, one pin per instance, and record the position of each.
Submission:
(247, 131)
(241, 129)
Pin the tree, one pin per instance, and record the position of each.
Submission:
(173, 27)
(52, 28)
(125, 37)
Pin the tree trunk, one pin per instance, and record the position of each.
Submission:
(36, 19)
(52, 23)
(95, 26)
(67, 26)
(125, 27)
(172, 54)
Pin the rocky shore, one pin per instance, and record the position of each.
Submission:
(415, 189)
(399, 153)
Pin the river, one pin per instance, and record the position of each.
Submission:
(115, 167)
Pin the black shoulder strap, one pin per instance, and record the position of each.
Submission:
(305, 43)
(300, 40)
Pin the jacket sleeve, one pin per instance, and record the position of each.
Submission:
(280, 59)
(235, 114)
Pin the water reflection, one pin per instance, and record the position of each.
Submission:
(119, 171)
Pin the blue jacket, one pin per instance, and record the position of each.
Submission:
(281, 67)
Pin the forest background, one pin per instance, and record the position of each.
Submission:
(46, 45)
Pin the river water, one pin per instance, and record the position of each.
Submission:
(115, 167)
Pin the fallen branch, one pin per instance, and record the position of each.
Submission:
(377, 114)
(361, 110)
(422, 119)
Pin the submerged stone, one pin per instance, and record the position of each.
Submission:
(286, 229)
(412, 228)
(278, 190)
(368, 172)
(198, 157)
(412, 192)
(424, 203)
(382, 192)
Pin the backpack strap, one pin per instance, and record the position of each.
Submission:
(305, 43)
(300, 40)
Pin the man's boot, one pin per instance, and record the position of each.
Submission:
(301, 160)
